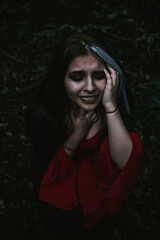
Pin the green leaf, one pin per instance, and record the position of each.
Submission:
(4, 91)
(111, 15)
(138, 192)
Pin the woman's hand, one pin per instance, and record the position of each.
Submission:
(110, 92)
(82, 121)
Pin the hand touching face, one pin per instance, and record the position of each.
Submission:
(110, 91)
(88, 83)
(85, 81)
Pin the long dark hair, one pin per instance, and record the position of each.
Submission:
(51, 101)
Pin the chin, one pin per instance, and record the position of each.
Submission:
(89, 108)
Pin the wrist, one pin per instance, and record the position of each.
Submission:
(68, 148)
(115, 110)
(110, 109)
(73, 141)
(78, 134)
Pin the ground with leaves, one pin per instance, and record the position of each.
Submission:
(28, 32)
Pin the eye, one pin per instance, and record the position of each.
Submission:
(76, 77)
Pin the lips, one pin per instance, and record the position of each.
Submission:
(89, 99)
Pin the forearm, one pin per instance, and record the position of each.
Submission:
(72, 143)
(120, 144)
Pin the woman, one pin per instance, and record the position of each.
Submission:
(85, 154)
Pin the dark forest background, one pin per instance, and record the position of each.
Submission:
(28, 31)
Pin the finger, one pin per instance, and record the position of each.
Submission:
(117, 78)
(95, 119)
(78, 111)
(74, 113)
(94, 116)
(110, 69)
(113, 74)
(90, 113)
(109, 81)
(82, 112)
(107, 73)
(71, 114)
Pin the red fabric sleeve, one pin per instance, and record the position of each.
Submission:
(58, 186)
(125, 180)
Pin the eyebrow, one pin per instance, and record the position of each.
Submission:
(77, 72)
(82, 71)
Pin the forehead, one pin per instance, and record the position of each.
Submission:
(87, 62)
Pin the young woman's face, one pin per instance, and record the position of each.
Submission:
(85, 81)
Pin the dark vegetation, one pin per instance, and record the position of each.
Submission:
(28, 32)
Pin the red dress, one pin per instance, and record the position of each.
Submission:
(90, 178)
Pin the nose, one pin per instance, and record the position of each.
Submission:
(89, 85)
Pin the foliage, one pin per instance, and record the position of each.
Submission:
(29, 30)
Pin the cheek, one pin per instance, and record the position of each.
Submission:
(101, 85)
(71, 88)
